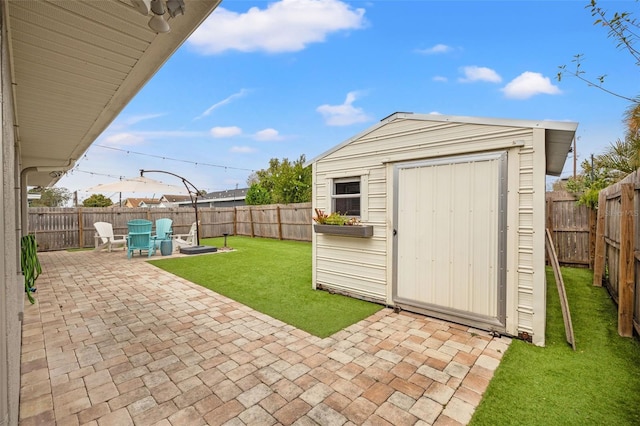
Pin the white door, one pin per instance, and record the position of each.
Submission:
(450, 236)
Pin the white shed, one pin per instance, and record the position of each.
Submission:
(457, 208)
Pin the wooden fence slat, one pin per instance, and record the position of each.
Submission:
(627, 262)
(598, 263)
(72, 227)
(569, 225)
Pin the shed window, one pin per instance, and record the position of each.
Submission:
(346, 196)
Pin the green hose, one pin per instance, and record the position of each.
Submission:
(30, 264)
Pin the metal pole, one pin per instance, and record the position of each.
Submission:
(194, 200)
(575, 157)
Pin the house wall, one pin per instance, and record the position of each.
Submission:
(363, 267)
(11, 292)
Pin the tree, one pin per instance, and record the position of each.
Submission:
(624, 28)
(632, 120)
(257, 195)
(97, 200)
(618, 160)
(587, 185)
(51, 197)
(253, 178)
(284, 181)
(622, 156)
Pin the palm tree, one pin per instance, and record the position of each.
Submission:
(632, 119)
(621, 157)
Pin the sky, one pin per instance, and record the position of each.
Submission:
(280, 79)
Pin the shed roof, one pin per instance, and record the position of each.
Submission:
(558, 134)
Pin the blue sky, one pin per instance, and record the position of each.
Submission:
(261, 80)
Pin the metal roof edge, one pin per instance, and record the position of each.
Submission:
(351, 139)
(542, 124)
(569, 126)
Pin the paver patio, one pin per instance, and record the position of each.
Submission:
(113, 341)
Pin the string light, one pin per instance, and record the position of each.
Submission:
(74, 170)
(173, 159)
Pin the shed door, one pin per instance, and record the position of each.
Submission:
(449, 248)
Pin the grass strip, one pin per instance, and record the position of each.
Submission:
(273, 277)
(598, 384)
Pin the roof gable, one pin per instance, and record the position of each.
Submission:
(558, 134)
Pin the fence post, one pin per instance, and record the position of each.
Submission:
(279, 223)
(80, 229)
(598, 261)
(235, 220)
(549, 197)
(627, 261)
(592, 236)
(549, 212)
(251, 220)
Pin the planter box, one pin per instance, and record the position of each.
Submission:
(361, 231)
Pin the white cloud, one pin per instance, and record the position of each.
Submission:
(438, 48)
(225, 101)
(225, 132)
(158, 134)
(435, 113)
(123, 139)
(134, 119)
(267, 135)
(529, 84)
(345, 114)
(242, 149)
(283, 26)
(440, 78)
(475, 73)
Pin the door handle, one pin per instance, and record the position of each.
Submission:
(395, 232)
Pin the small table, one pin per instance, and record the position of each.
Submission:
(166, 247)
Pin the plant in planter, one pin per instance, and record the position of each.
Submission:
(337, 224)
(334, 218)
(30, 264)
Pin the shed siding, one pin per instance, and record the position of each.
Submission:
(361, 266)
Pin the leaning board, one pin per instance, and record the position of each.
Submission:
(566, 315)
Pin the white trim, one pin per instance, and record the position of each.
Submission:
(539, 211)
(347, 174)
(560, 126)
(351, 176)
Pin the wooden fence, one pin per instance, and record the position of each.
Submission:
(617, 259)
(72, 227)
(572, 228)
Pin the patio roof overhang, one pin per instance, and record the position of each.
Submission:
(75, 64)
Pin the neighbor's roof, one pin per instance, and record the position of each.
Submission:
(137, 201)
(177, 198)
(229, 194)
(558, 134)
(221, 196)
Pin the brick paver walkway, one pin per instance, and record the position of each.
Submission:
(113, 341)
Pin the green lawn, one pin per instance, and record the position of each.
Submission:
(598, 384)
(273, 277)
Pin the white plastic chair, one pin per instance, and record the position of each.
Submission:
(183, 240)
(104, 237)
